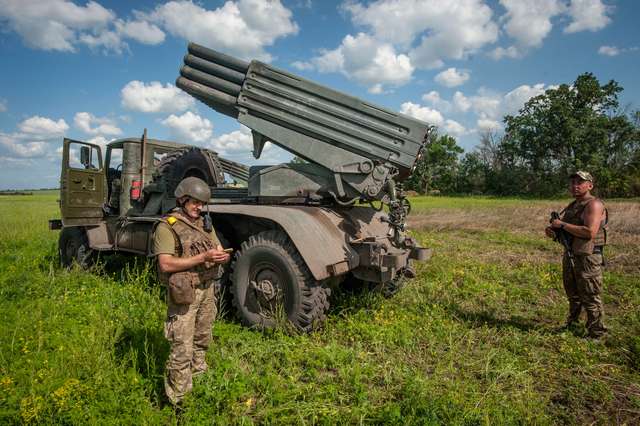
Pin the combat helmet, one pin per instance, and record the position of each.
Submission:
(193, 187)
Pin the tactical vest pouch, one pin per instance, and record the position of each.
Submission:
(181, 288)
(582, 246)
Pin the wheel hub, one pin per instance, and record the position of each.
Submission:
(267, 288)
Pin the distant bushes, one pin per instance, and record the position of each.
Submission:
(571, 127)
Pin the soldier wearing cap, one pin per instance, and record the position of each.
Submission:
(190, 259)
(584, 220)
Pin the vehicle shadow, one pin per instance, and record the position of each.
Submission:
(353, 296)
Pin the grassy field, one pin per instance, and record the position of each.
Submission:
(474, 339)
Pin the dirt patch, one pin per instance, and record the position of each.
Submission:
(622, 254)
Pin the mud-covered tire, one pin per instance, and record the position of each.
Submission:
(73, 247)
(184, 163)
(270, 277)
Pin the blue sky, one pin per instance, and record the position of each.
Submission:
(103, 70)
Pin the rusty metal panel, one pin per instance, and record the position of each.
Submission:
(312, 230)
(99, 238)
(322, 236)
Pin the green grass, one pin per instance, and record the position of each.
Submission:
(472, 340)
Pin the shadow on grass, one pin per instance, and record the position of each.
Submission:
(486, 318)
(146, 351)
(353, 296)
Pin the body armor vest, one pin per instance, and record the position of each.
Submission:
(192, 240)
(573, 215)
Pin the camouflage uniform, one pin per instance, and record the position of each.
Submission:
(188, 326)
(584, 289)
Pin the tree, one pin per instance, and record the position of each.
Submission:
(437, 169)
(569, 128)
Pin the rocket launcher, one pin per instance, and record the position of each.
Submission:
(357, 150)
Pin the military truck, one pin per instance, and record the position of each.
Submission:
(297, 230)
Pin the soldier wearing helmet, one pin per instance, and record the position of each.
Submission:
(584, 222)
(190, 259)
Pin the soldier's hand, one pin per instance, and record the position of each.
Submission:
(216, 256)
(549, 231)
(556, 223)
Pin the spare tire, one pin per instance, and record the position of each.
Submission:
(183, 163)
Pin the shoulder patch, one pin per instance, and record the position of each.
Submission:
(171, 220)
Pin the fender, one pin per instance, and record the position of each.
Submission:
(322, 236)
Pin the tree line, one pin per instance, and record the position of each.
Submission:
(572, 127)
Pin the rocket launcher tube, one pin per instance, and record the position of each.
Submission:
(220, 101)
(327, 127)
(210, 80)
(218, 58)
(214, 69)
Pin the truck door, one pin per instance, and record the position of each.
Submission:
(82, 184)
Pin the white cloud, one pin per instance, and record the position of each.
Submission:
(529, 22)
(500, 52)
(486, 103)
(102, 126)
(433, 117)
(615, 51)
(493, 105)
(454, 128)
(3, 105)
(368, 61)
(238, 141)
(588, 15)
(489, 107)
(487, 125)
(154, 97)
(54, 24)
(243, 27)
(11, 162)
(141, 31)
(461, 102)
(446, 29)
(424, 113)
(43, 127)
(302, 66)
(451, 77)
(609, 50)
(515, 99)
(238, 146)
(434, 99)
(61, 25)
(109, 41)
(13, 146)
(102, 142)
(189, 127)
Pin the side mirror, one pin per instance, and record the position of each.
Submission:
(85, 156)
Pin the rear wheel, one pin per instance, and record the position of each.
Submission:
(270, 279)
(73, 246)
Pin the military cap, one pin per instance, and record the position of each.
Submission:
(582, 175)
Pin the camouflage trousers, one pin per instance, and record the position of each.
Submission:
(584, 291)
(188, 329)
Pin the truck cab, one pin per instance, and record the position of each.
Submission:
(110, 203)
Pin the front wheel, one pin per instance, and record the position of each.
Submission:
(73, 246)
(270, 278)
